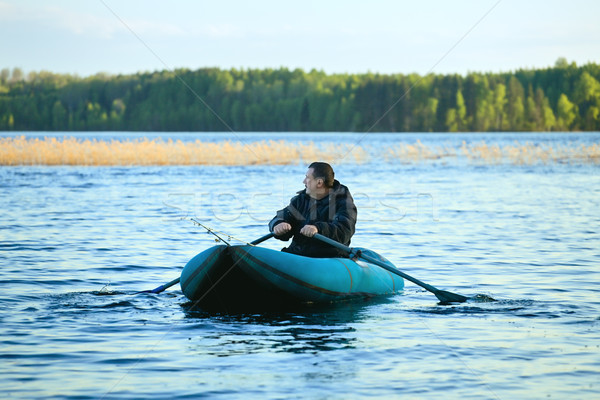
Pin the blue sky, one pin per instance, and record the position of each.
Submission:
(126, 36)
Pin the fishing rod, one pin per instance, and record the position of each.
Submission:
(216, 233)
(213, 232)
(175, 281)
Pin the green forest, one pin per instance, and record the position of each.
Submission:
(565, 97)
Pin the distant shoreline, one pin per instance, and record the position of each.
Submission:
(565, 97)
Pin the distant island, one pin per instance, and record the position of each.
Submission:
(565, 97)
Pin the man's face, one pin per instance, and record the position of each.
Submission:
(311, 183)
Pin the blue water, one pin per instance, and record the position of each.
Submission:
(77, 243)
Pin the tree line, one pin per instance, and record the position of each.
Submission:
(564, 97)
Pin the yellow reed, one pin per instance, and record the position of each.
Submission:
(410, 153)
(517, 153)
(70, 151)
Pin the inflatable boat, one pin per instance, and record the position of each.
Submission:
(244, 275)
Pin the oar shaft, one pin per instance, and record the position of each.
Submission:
(262, 239)
(376, 262)
(442, 295)
(164, 287)
(161, 288)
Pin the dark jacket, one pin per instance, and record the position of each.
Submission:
(334, 216)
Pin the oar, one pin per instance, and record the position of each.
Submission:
(164, 287)
(443, 295)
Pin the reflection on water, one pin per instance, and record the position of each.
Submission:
(307, 328)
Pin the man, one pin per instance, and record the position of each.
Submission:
(325, 206)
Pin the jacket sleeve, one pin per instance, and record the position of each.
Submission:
(342, 226)
(285, 215)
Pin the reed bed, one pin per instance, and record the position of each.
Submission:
(156, 152)
(70, 151)
(417, 152)
(516, 153)
(529, 153)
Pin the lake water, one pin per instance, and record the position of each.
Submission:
(77, 243)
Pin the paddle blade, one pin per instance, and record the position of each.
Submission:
(449, 297)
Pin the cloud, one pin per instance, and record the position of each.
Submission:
(102, 24)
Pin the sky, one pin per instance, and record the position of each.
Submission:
(85, 37)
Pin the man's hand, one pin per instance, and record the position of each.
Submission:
(309, 230)
(282, 229)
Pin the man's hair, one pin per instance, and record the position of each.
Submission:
(322, 170)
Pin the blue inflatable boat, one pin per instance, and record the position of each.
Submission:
(243, 275)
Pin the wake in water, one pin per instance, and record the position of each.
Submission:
(156, 152)
(482, 298)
